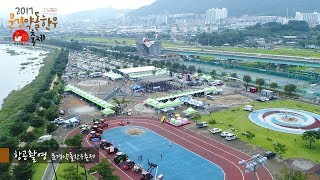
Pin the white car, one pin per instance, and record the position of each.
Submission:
(225, 133)
(44, 138)
(215, 130)
(59, 120)
(210, 97)
(202, 125)
(262, 99)
(231, 137)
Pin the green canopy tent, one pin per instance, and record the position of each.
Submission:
(108, 111)
(190, 111)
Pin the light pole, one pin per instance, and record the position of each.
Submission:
(252, 164)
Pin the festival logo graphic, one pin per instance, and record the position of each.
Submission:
(33, 21)
(20, 36)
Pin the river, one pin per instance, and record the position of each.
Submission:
(18, 67)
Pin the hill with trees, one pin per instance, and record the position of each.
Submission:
(235, 7)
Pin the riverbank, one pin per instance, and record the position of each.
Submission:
(18, 99)
(18, 66)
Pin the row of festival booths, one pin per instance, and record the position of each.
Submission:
(171, 102)
(105, 107)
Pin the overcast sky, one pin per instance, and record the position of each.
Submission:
(70, 6)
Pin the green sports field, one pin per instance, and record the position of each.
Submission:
(238, 119)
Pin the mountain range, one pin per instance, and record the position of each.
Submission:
(235, 7)
(97, 14)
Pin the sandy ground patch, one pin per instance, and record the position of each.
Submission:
(92, 82)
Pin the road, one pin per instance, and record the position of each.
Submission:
(49, 173)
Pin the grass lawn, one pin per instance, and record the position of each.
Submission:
(39, 169)
(207, 58)
(63, 166)
(238, 118)
(277, 51)
(304, 68)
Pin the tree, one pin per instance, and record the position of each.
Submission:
(36, 122)
(192, 68)
(22, 171)
(120, 102)
(154, 72)
(30, 107)
(51, 113)
(280, 149)
(17, 128)
(104, 169)
(249, 135)
(175, 66)
(9, 142)
(247, 79)
(311, 136)
(196, 116)
(71, 173)
(45, 103)
(213, 73)
(51, 144)
(51, 127)
(234, 75)
(291, 174)
(199, 70)
(290, 88)
(27, 137)
(5, 172)
(274, 85)
(223, 73)
(75, 141)
(23, 116)
(260, 82)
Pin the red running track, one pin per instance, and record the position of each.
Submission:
(222, 155)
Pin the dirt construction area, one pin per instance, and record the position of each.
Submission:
(231, 100)
(228, 100)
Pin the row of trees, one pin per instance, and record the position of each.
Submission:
(104, 168)
(289, 89)
(73, 44)
(136, 60)
(36, 113)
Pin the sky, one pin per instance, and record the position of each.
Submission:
(70, 6)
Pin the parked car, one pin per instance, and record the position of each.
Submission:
(61, 112)
(230, 137)
(58, 121)
(44, 138)
(224, 133)
(262, 99)
(210, 83)
(248, 108)
(273, 97)
(210, 97)
(269, 154)
(202, 125)
(215, 130)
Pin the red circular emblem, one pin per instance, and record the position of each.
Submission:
(20, 36)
